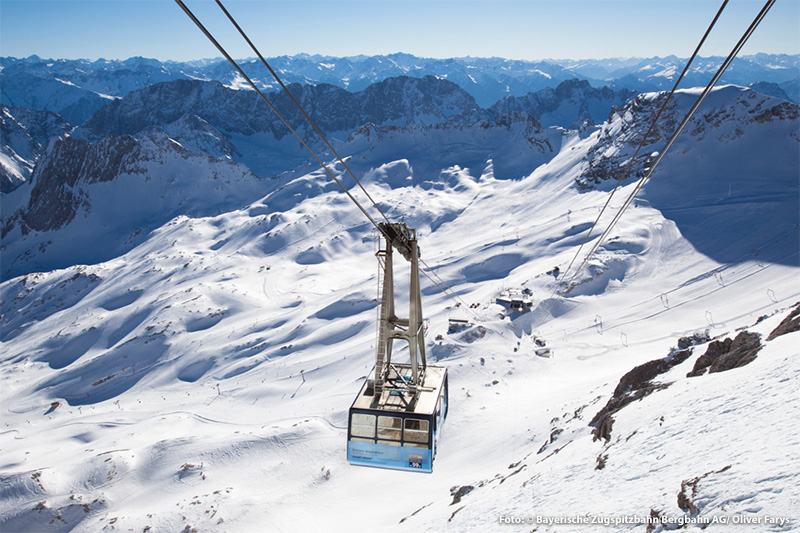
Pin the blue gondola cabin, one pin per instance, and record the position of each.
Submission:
(397, 431)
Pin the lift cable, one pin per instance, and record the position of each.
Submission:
(669, 143)
(624, 175)
(681, 127)
(443, 286)
(296, 103)
(247, 78)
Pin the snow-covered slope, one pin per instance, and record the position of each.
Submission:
(203, 378)
(88, 202)
(740, 145)
(574, 103)
(24, 134)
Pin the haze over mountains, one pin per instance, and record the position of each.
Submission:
(187, 303)
(76, 89)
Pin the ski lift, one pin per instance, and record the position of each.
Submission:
(396, 419)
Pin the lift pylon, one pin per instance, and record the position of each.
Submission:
(391, 327)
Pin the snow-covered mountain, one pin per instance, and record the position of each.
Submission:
(573, 104)
(52, 94)
(76, 88)
(89, 202)
(198, 376)
(159, 124)
(397, 101)
(767, 177)
(25, 134)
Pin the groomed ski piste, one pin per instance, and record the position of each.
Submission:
(203, 378)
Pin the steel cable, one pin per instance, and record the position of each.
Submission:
(300, 107)
(227, 56)
(255, 87)
(624, 175)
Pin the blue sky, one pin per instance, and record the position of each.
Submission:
(516, 29)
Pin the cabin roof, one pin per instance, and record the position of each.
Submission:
(393, 403)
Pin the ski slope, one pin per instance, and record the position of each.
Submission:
(203, 377)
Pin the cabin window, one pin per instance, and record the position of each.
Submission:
(389, 427)
(363, 425)
(416, 430)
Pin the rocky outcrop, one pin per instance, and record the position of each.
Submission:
(736, 108)
(788, 325)
(55, 198)
(572, 104)
(25, 134)
(727, 354)
(633, 386)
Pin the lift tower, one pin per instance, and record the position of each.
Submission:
(390, 327)
(396, 419)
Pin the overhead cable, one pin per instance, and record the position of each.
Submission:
(627, 170)
(255, 87)
(230, 59)
(296, 103)
(682, 125)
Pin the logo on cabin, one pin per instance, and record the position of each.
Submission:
(415, 461)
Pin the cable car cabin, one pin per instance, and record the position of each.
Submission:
(394, 430)
(396, 419)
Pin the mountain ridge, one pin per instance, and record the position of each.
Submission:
(181, 353)
(486, 79)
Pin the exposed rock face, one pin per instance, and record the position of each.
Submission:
(112, 191)
(618, 139)
(627, 126)
(54, 199)
(634, 385)
(25, 134)
(789, 324)
(412, 101)
(695, 338)
(397, 101)
(687, 497)
(728, 354)
(573, 104)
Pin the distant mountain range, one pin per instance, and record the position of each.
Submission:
(76, 88)
(209, 118)
(341, 93)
